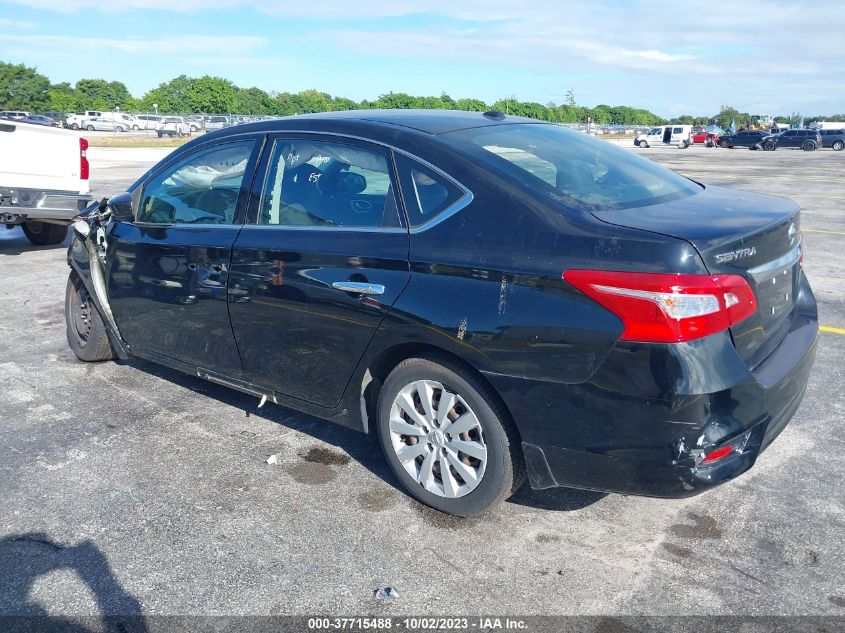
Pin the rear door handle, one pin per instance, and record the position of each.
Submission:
(359, 287)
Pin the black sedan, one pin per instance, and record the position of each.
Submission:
(744, 138)
(490, 296)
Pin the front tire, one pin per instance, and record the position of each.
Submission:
(44, 234)
(86, 332)
(463, 459)
(644, 144)
(725, 144)
(769, 146)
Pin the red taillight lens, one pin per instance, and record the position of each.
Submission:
(84, 169)
(668, 308)
(718, 454)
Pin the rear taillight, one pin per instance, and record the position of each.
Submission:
(84, 169)
(668, 308)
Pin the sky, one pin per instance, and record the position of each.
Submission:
(671, 57)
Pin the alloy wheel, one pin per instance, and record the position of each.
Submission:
(437, 438)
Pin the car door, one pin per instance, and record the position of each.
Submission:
(168, 269)
(318, 267)
(788, 138)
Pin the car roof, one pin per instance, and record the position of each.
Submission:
(427, 121)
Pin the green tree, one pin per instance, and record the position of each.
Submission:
(471, 105)
(99, 94)
(63, 98)
(22, 88)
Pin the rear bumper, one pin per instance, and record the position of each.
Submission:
(20, 205)
(648, 415)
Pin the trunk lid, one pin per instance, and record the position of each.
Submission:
(736, 232)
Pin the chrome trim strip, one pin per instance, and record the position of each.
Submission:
(770, 269)
(359, 287)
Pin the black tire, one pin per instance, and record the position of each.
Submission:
(838, 146)
(725, 144)
(644, 144)
(90, 128)
(160, 135)
(809, 146)
(74, 126)
(769, 146)
(86, 333)
(44, 234)
(505, 469)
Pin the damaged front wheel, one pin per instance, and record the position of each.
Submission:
(86, 332)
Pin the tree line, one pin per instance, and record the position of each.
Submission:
(23, 88)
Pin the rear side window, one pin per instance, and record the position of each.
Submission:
(427, 193)
(323, 184)
(677, 130)
(201, 189)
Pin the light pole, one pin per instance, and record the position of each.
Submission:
(155, 107)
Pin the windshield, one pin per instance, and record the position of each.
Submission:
(577, 169)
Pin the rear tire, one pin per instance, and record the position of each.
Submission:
(838, 146)
(684, 144)
(809, 146)
(488, 432)
(86, 332)
(44, 234)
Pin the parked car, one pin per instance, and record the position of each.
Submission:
(833, 138)
(488, 295)
(701, 136)
(105, 124)
(174, 126)
(39, 119)
(680, 135)
(808, 140)
(43, 180)
(195, 122)
(216, 123)
(148, 121)
(744, 138)
(14, 114)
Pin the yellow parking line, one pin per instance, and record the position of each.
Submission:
(835, 330)
(822, 231)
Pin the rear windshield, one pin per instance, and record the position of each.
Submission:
(577, 169)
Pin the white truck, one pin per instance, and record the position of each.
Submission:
(43, 179)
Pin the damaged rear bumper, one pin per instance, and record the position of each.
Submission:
(645, 421)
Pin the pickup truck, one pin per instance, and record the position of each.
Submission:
(43, 180)
(174, 126)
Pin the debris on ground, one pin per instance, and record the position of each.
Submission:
(273, 459)
(386, 593)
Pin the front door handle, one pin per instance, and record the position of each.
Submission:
(358, 287)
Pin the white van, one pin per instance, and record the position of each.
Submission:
(679, 135)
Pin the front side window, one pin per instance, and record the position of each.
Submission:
(587, 173)
(201, 189)
(322, 184)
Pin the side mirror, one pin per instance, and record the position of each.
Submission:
(121, 207)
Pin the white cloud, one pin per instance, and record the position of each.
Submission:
(182, 45)
(17, 25)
